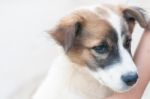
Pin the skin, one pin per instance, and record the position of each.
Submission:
(142, 61)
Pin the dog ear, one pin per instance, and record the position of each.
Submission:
(67, 30)
(132, 14)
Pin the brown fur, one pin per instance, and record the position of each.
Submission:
(133, 14)
(79, 32)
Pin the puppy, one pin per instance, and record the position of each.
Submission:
(97, 54)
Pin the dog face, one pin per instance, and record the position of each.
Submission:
(99, 39)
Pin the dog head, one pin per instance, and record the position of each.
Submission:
(100, 39)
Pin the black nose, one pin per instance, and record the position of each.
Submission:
(130, 78)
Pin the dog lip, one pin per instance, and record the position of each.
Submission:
(124, 88)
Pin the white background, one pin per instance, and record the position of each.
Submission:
(25, 48)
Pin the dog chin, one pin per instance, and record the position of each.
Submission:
(122, 89)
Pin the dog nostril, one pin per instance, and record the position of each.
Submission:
(130, 78)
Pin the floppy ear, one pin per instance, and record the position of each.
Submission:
(67, 29)
(132, 14)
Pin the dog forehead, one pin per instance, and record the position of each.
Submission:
(104, 16)
(98, 22)
(114, 16)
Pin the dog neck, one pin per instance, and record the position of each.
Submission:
(67, 79)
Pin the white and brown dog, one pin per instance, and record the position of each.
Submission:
(97, 58)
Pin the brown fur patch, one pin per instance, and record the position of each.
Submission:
(84, 29)
(131, 14)
(94, 31)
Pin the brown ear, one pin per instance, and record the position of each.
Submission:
(66, 31)
(133, 14)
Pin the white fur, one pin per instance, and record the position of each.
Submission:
(111, 77)
(67, 80)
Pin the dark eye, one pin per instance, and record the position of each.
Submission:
(102, 48)
(128, 43)
(130, 19)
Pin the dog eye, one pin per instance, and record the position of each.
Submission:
(127, 43)
(130, 19)
(102, 48)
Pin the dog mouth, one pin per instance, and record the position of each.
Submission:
(123, 88)
(120, 84)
